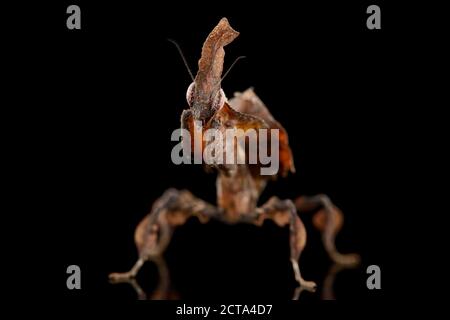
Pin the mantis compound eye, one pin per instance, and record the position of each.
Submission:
(190, 94)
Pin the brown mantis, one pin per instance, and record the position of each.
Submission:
(238, 185)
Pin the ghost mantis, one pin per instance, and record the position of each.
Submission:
(238, 185)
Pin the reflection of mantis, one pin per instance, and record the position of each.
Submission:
(164, 290)
(238, 185)
(328, 282)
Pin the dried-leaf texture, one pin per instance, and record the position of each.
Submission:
(210, 65)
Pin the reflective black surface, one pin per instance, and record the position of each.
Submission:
(106, 99)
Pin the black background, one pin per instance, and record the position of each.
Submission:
(108, 96)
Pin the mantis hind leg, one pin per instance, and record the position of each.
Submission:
(154, 232)
(283, 212)
(329, 220)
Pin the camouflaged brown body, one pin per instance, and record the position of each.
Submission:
(238, 185)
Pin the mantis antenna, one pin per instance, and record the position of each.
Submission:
(182, 57)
